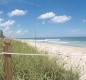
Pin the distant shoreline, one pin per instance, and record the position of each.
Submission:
(67, 41)
(59, 46)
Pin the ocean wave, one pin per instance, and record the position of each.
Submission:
(38, 40)
(45, 40)
(61, 42)
(52, 39)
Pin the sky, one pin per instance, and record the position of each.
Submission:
(43, 18)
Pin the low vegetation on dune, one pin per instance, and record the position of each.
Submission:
(35, 67)
(1, 45)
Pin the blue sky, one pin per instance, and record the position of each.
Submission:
(50, 18)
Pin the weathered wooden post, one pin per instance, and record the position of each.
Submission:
(7, 60)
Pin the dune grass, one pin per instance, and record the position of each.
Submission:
(36, 67)
(1, 45)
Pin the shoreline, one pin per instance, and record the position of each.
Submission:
(53, 48)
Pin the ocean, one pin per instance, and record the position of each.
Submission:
(68, 41)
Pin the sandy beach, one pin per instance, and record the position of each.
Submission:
(74, 57)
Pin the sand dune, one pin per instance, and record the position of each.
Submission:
(74, 57)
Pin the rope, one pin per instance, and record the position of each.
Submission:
(42, 54)
(24, 54)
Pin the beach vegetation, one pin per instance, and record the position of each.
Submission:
(35, 67)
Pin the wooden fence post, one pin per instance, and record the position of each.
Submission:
(7, 60)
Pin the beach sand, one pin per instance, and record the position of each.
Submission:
(74, 57)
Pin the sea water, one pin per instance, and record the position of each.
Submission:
(69, 41)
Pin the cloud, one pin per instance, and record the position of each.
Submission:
(7, 23)
(11, 33)
(7, 32)
(61, 19)
(1, 12)
(47, 15)
(1, 20)
(6, 29)
(55, 18)
(17, 12)
(21, 31)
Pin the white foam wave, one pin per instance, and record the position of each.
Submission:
(52, 39)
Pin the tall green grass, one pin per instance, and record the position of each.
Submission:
(36, 67)
(1, 45)
(19, 47)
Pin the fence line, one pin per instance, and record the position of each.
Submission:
(7, 59)
(42, 54)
